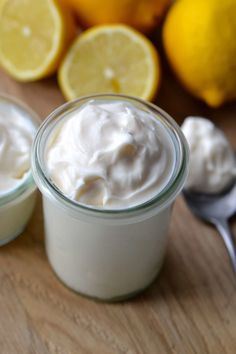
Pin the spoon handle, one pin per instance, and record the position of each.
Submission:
(222, 226)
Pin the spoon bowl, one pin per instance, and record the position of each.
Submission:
(212, 206)
(216, 209)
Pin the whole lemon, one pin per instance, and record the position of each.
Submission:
(200, 42)
(144, 15)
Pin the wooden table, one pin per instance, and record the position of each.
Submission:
(190, 309)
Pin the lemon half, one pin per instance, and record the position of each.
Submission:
(112, 58)
(33, 37)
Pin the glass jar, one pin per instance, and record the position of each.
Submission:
(107, 254)
(17, 204)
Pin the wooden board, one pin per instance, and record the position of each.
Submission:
(191, 308)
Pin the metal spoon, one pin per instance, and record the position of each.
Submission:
(216, 209)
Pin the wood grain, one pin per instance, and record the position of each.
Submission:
(191, 308)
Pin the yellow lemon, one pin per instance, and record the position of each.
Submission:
(33, 37)
(144, 15)
(199, 39)
(115, 59)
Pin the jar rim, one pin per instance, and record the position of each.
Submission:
(161, 199)
(27, 183)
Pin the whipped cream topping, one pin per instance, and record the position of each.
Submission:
(110, 155)
(212, 159)
(16, 136)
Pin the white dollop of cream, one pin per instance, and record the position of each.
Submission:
(16, 136)
(110, 155)
(212, 159)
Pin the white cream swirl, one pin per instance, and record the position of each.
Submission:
(110, 154)
(16, 136)
(212, 159)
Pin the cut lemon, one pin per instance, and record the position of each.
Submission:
(33, 37)
(110, 59)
